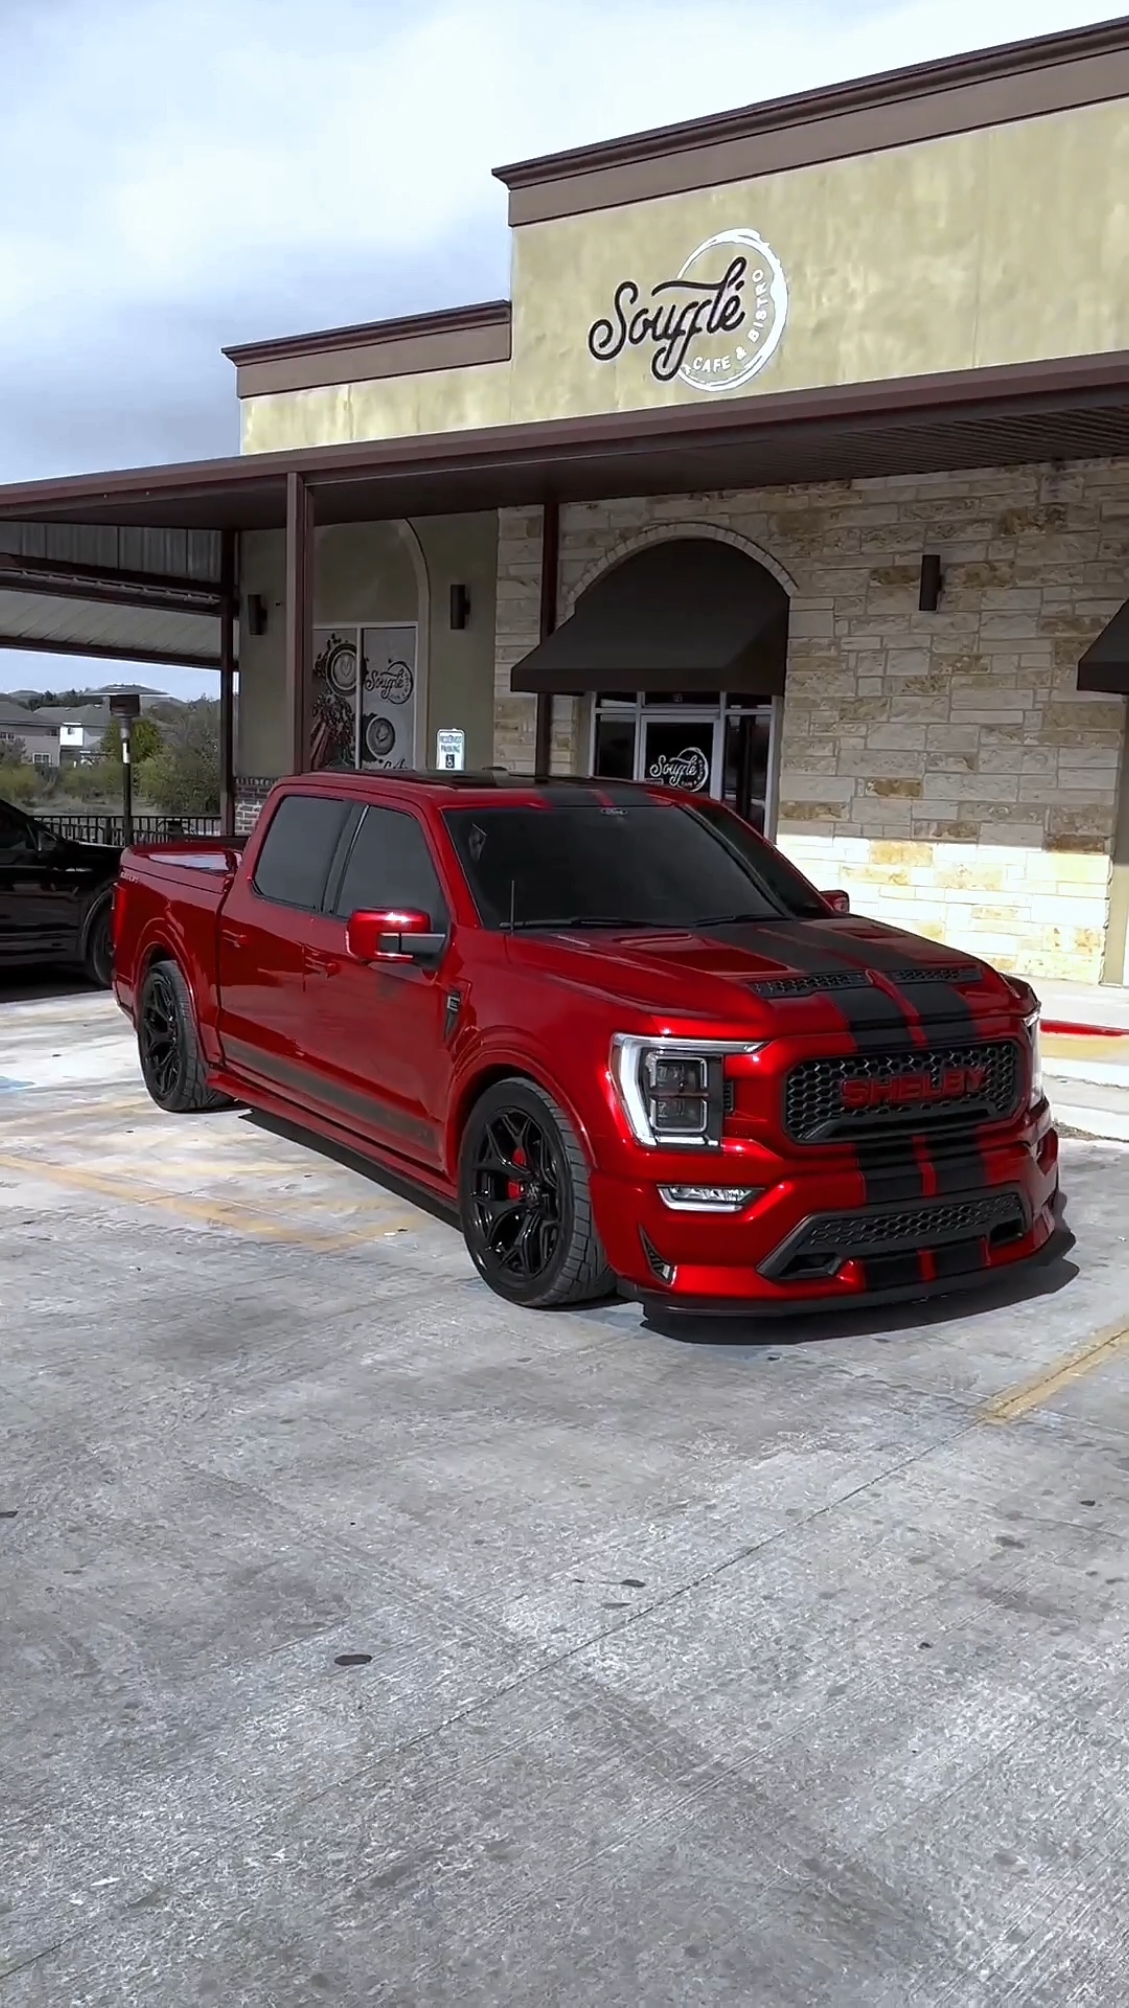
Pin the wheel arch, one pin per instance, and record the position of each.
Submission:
(516, 1067)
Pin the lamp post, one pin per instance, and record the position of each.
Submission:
(125, 706)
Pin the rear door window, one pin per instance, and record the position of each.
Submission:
(298, 850)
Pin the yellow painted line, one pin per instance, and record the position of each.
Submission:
(86, 1114)
(227, 1214)
(1019, 1401)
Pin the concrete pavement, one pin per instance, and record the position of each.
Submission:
(367, 1641)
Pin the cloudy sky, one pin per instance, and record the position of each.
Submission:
(187, 173)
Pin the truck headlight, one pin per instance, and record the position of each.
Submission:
(672, 1091)
(1031, 1026)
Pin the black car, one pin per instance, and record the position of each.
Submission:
(55, 897)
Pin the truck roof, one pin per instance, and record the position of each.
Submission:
(441, 785)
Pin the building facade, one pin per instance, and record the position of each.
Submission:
(940, 763)
(796, 468)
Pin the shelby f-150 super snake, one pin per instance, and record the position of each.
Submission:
(609, 1024)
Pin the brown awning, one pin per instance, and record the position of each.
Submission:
(1105, 665)
(688, 614)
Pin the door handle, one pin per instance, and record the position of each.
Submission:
(233, 937)
(322, 965)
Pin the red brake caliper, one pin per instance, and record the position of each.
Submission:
(514, 1187)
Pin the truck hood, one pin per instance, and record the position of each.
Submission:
(769, 972)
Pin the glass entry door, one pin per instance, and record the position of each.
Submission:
(680, 751)
(723, 747)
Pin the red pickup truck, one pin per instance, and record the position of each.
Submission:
(612, 1026)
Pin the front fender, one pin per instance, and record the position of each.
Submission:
(494, 1061)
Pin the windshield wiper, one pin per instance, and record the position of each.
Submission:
(731, 919)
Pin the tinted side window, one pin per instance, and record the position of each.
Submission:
(298, 849)
(390, 866)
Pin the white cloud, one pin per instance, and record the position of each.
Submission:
(198, 171)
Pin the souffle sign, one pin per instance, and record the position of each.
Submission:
(714, 325)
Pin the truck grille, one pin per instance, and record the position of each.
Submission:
(825, 1243)
(861, 1094)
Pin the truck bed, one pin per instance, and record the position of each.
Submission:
(168, 897)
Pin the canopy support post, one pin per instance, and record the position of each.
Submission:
(550, 567)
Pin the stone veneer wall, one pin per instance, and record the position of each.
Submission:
(942, 767)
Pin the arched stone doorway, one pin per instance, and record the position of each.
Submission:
(680, 650)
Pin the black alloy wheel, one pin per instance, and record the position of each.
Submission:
(524, 1199)
(172, 1063)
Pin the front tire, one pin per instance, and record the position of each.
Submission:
(172, 1064)
(525, 1204)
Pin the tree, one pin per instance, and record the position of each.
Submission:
(184, 777)
(36, 699)
(146, 741)
(19, 780)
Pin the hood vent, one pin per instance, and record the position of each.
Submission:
(951, 972)
(810, 986)
(861, 979)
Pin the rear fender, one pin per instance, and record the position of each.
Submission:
(165, 941)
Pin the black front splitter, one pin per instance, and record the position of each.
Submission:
(656, 1304)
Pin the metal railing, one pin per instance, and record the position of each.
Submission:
(103, 826)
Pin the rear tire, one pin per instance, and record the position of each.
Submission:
(172, 1064)
(98, 960)
(525, 1204)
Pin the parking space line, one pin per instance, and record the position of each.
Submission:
(1017, 1402)
(229, 1214)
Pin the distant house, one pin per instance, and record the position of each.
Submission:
(67, 735)
(38, 734)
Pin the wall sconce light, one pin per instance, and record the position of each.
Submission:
(460, 606)
(932, 580)
(256, 614)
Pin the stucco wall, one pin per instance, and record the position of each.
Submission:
(378, 572)
(942, 767)
(1000, 246)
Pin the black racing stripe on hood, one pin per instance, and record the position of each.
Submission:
(890, 1166)
(871, 1014)
(948, 1169)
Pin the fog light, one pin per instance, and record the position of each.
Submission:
(709, 1198)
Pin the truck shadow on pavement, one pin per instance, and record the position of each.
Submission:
(375, 1174)
(39, 986)
(882, 1322)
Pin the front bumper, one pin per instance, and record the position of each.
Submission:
(820, 1236)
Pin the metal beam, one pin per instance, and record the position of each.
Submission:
(107, 652)
(299, 619)
(104, 585)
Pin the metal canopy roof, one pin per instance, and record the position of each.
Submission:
(1075, 408)
(128, 594)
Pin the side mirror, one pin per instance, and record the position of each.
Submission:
(391, 934)
(839, 902)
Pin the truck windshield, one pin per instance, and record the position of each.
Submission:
(647, 864)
